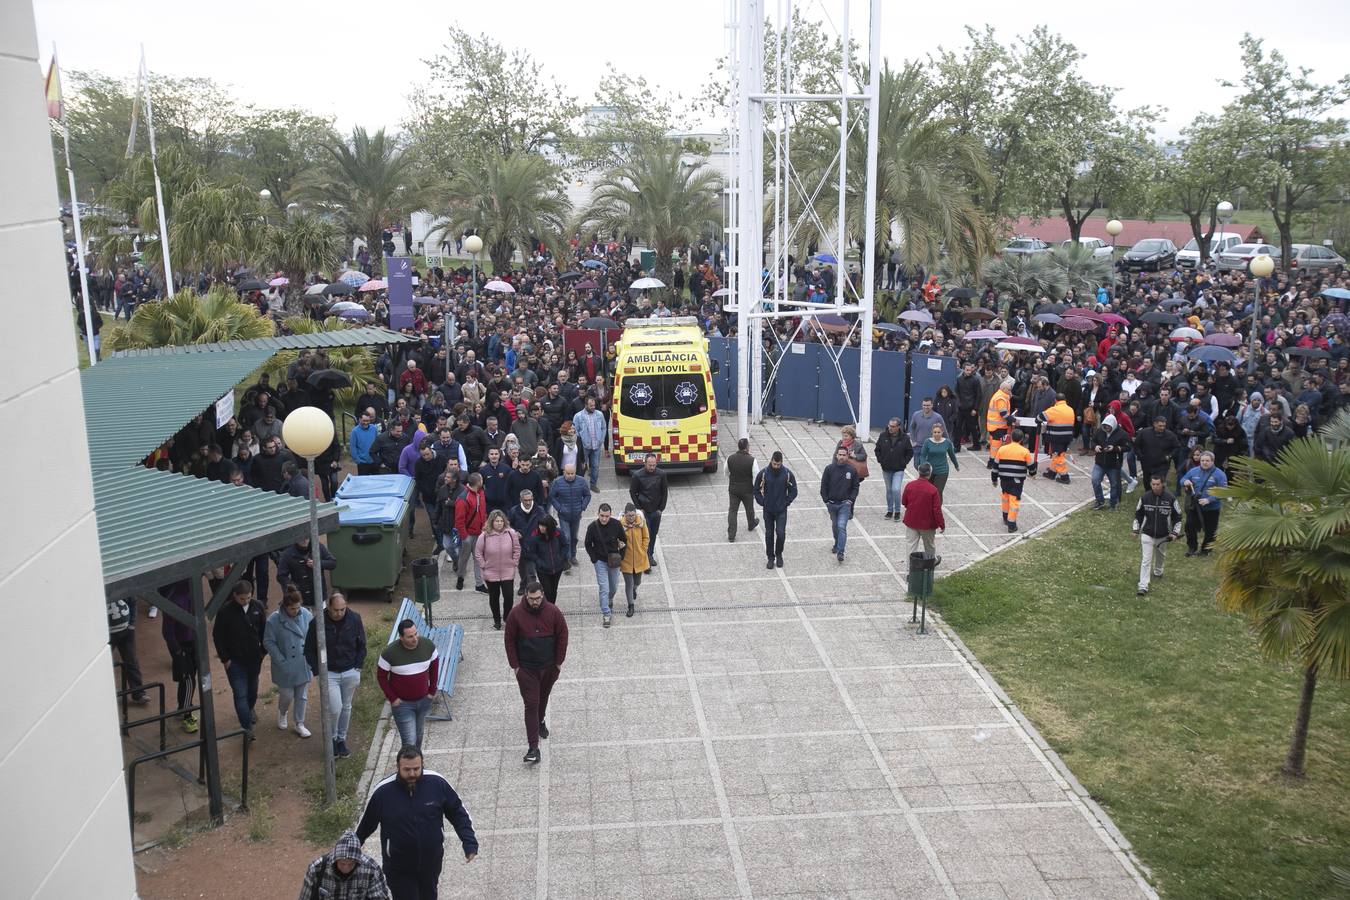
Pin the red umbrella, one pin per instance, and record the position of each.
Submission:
(1113, 319)
(1077, 323)
(586, 285)
(1223, 340)
(1082, 314)
(985, 334)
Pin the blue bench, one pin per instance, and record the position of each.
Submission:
(449, 641)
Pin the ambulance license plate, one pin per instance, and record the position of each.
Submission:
(637, 457)
(665, 423)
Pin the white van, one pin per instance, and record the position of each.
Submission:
(1189, 256)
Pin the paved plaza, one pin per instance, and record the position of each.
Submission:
(769, 734)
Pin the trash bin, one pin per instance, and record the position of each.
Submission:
(920, 582)
(368, 487)
(369, 543)
(426, 584)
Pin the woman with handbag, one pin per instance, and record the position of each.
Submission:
(857, 453)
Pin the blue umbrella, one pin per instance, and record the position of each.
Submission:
(826, 258)
(1211, 354)
(594, 264)
(359, 314)
(1336, 293)
(889, 326)
(353, 278)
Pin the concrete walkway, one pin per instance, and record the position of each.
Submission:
(769, 734)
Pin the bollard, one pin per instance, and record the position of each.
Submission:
(426, 584)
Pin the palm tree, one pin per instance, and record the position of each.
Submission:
(508, 202)
(130, 198)
(368, 182)
(1026, 277)
(1084, 270)
(659, 196)
(217, 228)
(1284, 564)
(304, 243)
(186, 318)
(357, 362)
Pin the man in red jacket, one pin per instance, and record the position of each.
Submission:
(536, 645)
(923, 512)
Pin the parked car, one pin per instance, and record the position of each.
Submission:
(1026, 246)
(1310, 259)
(1239, 256)
(1188, 257)
(1150, 253)
(1100, 248)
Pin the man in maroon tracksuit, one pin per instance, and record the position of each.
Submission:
(536, 645)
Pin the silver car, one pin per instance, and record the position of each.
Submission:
(1239, 256)
(1100, 248)
(1309, 259)
(1026, 246)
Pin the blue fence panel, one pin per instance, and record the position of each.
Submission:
(834, 406)
(796, 389)
(889, 387)
(928, 373)
(723, 351)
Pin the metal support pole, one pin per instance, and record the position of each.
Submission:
(79, 251)
(870, 222)
(210, 752)
(475, 297)
(841, 225)
(321, 641)
(749, 189)
(1256, 316)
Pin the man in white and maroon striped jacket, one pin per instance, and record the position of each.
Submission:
(407, 673)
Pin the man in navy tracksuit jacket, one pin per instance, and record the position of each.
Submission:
(408, 807)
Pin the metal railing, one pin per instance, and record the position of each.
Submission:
(128, 724)
(199, 745)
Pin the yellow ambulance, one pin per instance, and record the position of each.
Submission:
(663, 397)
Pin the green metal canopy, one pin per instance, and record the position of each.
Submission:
(342, 337)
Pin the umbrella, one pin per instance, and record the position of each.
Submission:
(1078, 323)
(426, 301)
(1338, 320)
(1046, 318)
(594, 264)
(832, 323)
(1018, 339)
(1055, 308)
(978, 312)
(499, 286)
(1159, 318)
(361, 314)
(1186, 334)
(1174, 304)
(279, 282)
(646, 284)
(1211, 354)
(316, 288)
(329, 378)
(1008, 345)
(1114, 319)
(961, 293)
(721, 292)
(1308, 352)
(602, 323)
(252, 284)
(1336, 293)
(922, 316)
(569, 276)
(888, 326)
(1083, 314)
(1223, 340)
(374, 284)
(986, 334)
(586, 285)
(355, 279)
(344, 305)
(338, 289)
(826, 258)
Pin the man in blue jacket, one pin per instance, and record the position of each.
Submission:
(569, 496)
(359, 445)
(775, 489)
(412, 839)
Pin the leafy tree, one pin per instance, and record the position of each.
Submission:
(1111, 161)
(130, 201)
(658, 194)
(97, 114)
(186, 318)
(277, 147)
(1294, 139)
(484, 101)
(196, 115)
(1284, 564)
(302, 244)
(1212, 159)
(1026, 277)
(367, 182)
(631, 113)
(508, 202)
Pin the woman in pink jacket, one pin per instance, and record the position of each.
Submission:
(498, 555)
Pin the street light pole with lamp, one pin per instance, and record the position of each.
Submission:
(1261, 267)
(308, 431)
(1224, 212)
(474, 244)
(1114, 228)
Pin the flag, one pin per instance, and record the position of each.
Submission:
(55, 108)
(141, 88)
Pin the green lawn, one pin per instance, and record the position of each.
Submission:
(1163, 710)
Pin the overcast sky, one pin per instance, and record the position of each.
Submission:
(358, 60)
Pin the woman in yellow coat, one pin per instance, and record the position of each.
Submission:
(635, 537)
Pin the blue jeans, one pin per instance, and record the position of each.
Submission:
(1114, 475)
(894, 482)
(243, 680)
(1132, 462)
(450, 543)
(592, 465)
(411, 718)
(341, 690)
(571, 533)
(840, 513)
(607, 579)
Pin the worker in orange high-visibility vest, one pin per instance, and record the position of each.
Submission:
(997, 421)
(1058, 420)
(1015, 463)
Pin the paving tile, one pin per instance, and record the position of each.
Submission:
(802, 775)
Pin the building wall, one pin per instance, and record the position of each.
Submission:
(65, 833)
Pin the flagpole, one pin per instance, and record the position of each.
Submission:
(159, 190)
(75, 214)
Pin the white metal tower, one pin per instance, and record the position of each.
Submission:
(781, 194)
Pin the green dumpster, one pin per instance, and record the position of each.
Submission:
(369, 543)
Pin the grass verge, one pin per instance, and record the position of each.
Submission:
(1163, 709)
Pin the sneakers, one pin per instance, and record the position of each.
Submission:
(754, 525)
(630, 612)
(778, 562)
(1063, 479)
(532, 755)
(1012, 526)
(480, 588)
(1130, 484)
(497, 626)
(1099, 505)
(1190, 553)
(731, 539)
(889, 515)
(340, 750)
(190, 723)
(459, 584)
(1141, 592)
(281, 720)
(301, 730)
(769, 565)
(839, 556)
(140, 700)
(608, 621)
(543, 730)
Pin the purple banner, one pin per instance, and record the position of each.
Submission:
(400, 291)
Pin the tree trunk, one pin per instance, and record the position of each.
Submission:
(500, 253)
(1298, 747)
(376, 250)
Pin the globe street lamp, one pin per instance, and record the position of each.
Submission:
(474, 244)
(308, 431)
(1224, 211)
(1114, 228)
(1261, 267)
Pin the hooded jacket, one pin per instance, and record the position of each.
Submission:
(323, 880)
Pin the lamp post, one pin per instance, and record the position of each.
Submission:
(308, 431)
(474, 244)
(1224, 212)
(1114, 228)
(1261, 267)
